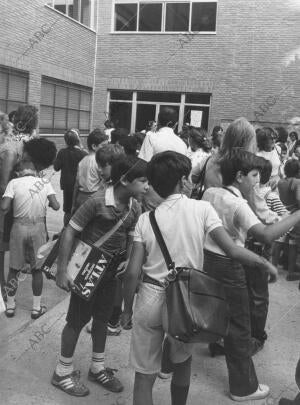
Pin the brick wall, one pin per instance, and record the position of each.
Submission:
(66, 51)
(249, 60)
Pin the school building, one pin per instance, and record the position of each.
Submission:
(82, 61)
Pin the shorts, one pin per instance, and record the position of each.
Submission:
(149, 328)
(99, 307)
(26, 237)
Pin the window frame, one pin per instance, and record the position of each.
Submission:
(181, 104)
(93, 20)
(10, 73)
(163, 26)
(67, 85)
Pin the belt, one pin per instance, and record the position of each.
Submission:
(149, 280)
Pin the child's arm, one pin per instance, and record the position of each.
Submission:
(240, 254)
(269, 233)
(75, 192)
(8, 163)
(5, 204)
(131, 279)
(53, 203)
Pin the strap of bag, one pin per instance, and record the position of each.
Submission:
(160, 240)
(230, 191)
(200, 184)
(105, 237)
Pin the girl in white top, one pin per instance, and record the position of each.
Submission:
(268, 150)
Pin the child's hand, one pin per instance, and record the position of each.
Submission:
(64, 281)
(272, 271)
(121, 269)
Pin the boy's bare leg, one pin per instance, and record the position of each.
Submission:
(37, 282)
(143, 385)
(2, 275)
(292, 258)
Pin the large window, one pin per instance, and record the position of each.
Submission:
(84, 11)
(64, 105)
(13, 89)
(165, 16)
(134, 109)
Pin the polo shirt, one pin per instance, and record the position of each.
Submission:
(184, 224)
(161, 141)
(99, 214)
(235, 213)
(89, 174)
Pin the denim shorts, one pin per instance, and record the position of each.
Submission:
(150, 325)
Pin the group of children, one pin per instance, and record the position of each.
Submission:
(108, 185)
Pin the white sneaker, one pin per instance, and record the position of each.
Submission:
(164, 376)
(262, 392)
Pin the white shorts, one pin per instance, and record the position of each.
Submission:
(150, 325)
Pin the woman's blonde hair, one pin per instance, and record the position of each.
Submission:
(239, 134)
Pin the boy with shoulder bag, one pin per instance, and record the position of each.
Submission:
(184, 223)
(95, 218)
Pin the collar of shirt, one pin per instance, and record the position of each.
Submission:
(165, 130)
(110, 198)
(236, 191)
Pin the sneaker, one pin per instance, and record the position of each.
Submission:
(70, 384)
(113, 330)
(10, 312)
(164, 376)
(107, 379)
(89, 328)
(262, 392)
(36, 314)
(128, 326)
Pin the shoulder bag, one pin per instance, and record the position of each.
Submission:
(196, 304)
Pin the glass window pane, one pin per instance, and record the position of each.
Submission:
(159, 96)
(47, 94)
(3, 106)
(61, 96)
(11, 106)
(74, 99)
(150, 17)
(204, 17)
(60, 118)
(17, 88)
(196, 98)
(85, 17)
(3, 84)
(120, 95)
(85, 101)
(125, 17)
(144, 114)
(46, 117)
(60, 5)
(84, 121)
(120, 114)
(73, 9)
(177, 16)
(73, 119)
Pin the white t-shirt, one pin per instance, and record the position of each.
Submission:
(235, 213)
(161, 141)
(29, 195)
(184, 223)
(198, 158)
(89, 174)
(274, 158)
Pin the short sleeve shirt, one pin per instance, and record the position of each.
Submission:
(29, 196)
(235, 213)
(184, 224)
(99, 214)
(89, 175)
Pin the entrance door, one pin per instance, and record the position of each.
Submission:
(144, 114)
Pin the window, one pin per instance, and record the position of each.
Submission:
(134, 109)
(83, 11)
(13, 89)
(165, 16)
(64, 105)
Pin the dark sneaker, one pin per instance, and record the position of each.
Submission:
(113, 330)
(107, 379)
(70, 384)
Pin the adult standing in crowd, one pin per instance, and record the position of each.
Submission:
(67, 161)
(11, 151)
(292, 141)
(216, 138)
(161, 141)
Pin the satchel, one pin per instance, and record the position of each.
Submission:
(196, 304)
(88, 264)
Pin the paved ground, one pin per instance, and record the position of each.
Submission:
(28, 352)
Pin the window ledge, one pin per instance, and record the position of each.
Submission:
(163, 33)
(70, 18)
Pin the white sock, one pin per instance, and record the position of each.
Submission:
(37, 302)
(64, 366)
(97, 362)
(11, 302)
